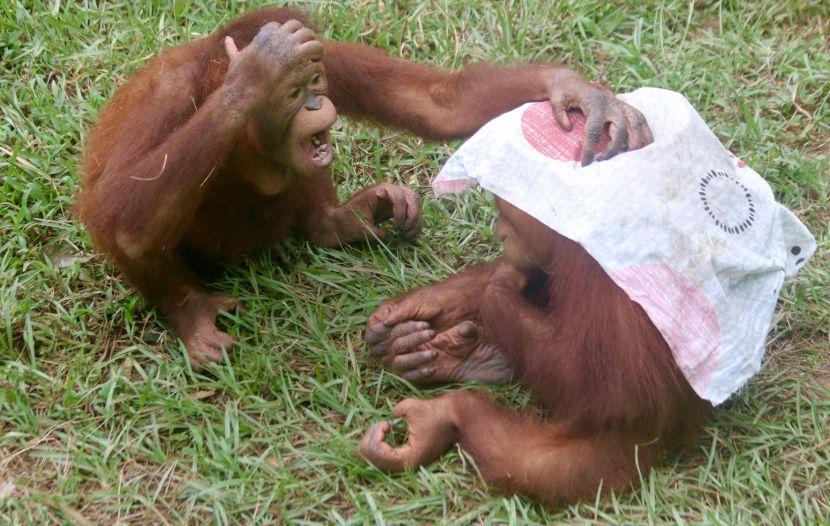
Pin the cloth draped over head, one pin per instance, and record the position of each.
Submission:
(684, 227)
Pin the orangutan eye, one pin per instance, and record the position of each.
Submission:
(294, 93)
(316, 79)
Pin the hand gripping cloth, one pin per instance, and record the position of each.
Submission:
(686, 229)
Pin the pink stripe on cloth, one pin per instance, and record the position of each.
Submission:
(683, 315)
(544, 134)
(442, 186)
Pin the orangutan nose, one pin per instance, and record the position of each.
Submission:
(312, 102)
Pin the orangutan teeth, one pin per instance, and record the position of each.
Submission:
(315, 140)
(320, 152)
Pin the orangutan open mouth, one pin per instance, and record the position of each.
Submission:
(318, 148)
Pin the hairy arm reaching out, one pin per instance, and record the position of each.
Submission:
(442, 105)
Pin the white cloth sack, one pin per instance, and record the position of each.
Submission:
(686, 229)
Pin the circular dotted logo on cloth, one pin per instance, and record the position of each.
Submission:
(727, 201)
(544, 134)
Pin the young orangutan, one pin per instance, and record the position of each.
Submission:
(210, 153)
(549, 315)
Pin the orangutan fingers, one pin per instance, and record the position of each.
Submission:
(399, 205)
(291, 26)
(458, 340)
(404, 344)
(618, 130)
(560, 112)
(639, 132)
(406, 362)
(304, 35)
(418, 375)
(411, 309)
(593, 134)
(230, 49)
(398, 338)
(381, 337)
(374, 449)
(413, 214)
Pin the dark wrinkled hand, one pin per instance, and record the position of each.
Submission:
(396, 346)
(417, 353)
(274, 51)
(399, 325)
(401, 205)
(627, 126)
(383, 201)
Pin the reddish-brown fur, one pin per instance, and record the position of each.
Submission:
(192, 160)
(615, 397)
(162, 214)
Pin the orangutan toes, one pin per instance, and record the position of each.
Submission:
(460, 354)
(224, 303)
(205, 344)
(430, 431)
(478, 359)
(195, 323)
(374, 449)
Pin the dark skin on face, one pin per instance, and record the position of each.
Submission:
(295, 132)
(220, 147)
(548, 315)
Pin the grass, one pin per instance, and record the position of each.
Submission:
(102, 420)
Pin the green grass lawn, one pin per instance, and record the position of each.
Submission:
(101, 419)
